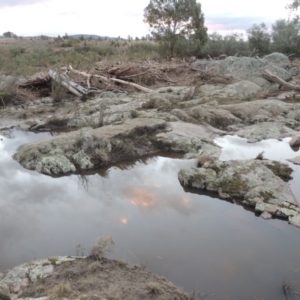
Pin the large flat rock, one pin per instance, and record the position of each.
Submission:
(90, 148)
(187, 137)
(253, 182)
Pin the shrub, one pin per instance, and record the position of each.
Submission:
(134, 114)
(17, 51)
(153, 288)
(94, 266)
(102, 246)
(53, 260)
(61, 291)
(122, 263)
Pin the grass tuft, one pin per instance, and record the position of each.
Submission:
(94, 266)
(53, 260)
(61, 291)
(122, 263)
(287, 288)
(102, 246)
(154, 288)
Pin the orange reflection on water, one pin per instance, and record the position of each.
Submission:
(186, 200)
(124, 221)
(142, 197)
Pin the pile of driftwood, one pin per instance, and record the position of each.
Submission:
(128, 77)
(125, 77)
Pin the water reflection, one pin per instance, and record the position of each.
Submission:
(238, 148)
(234, 147)
(196, 241)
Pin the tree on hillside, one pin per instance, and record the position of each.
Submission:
(285, 35)
(176, 23)
(259, 38)
(9, 34)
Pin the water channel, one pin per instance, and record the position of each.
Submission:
(195, 240)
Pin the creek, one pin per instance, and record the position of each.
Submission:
(193, 239)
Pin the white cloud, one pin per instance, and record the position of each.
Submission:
(119, 17)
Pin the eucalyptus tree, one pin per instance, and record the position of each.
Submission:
(176, 25)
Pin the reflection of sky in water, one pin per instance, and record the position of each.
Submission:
(196, 241)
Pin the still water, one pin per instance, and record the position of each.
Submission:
(196, 241)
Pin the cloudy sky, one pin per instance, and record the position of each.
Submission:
(124, 17)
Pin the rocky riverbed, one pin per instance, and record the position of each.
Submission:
(184, 119)
(114, 127)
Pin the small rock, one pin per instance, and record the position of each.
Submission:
(286, 204)
(287, 212)
(265, 215)
(295, 141)
(223, 195)
(295, 160)
(295, 220)
(202, 159)
(47, 100)
(190, 155)
(265, 207)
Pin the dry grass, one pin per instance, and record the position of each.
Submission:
(108, 279)
(28, 56)
(61, 291)
(94, 266)
(102, 246)
(154, 288)
(122, 263)
(260, 155)
(287, 288)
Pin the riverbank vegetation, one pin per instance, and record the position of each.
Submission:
(27, 56)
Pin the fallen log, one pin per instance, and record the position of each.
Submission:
(89, 76)
(139, 87)
(72, 86)
(273, 78)
(68, 84)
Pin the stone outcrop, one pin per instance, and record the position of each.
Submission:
(254, 182)
(90, 148)
(251, 69)
(240, 90)
(14, 281)
(189, 138)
